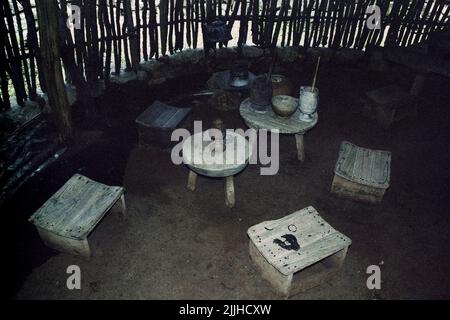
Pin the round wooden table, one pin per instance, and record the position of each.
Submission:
(199, 157)
(270, 121)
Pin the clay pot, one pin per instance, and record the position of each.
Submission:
(281, 85)
(284, 106)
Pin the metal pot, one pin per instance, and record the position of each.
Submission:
(239, 75)
(216, 31)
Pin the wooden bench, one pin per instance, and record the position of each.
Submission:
(389, 104)
(298, 251)
(361, 174)
(156, 123)
(65, 220)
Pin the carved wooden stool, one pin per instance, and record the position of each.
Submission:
(65, 220)
(389, 104)
(156, 123)
(361, 174)
(297, 252)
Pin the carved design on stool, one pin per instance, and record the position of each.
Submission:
(319, 251)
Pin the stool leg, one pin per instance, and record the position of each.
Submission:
(72, 246)
(192, 179)
(418, 84)
(86, 252)
(229, 192)
(300, 147)
(124, 207)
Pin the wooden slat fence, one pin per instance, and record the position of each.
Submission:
(119, 34)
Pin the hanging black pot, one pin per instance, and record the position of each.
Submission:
(216, 31)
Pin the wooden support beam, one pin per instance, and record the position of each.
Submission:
(48, 15)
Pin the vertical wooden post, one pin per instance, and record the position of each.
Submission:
(133, 35)
(48, 15)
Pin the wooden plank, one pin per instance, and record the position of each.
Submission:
(12, 50)
(145, 30)
(154, 37)
(163, 13)
(109, 44)
(171, 25)
(188, 23)
(22, 49)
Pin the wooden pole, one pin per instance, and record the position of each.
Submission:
(48, 16)
(315, 74)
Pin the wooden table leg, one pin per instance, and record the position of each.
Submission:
(192, 179)
(300, 147)
(229, 192)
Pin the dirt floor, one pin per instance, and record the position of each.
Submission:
(178, 244)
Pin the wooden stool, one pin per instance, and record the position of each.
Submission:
(361, 174)
(297, 252)
(389, 104)
(157, 122)
(69, 216)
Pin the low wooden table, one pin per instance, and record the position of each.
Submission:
(270, 121)
(66, 219)
(195, 157)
